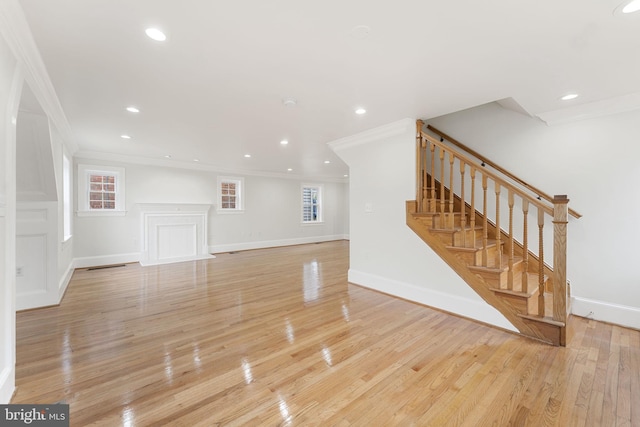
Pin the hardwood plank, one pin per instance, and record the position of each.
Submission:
(279, 337)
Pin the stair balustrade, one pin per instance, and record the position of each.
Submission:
(446, 191)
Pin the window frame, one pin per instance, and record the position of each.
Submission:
(84, 188)
(239, 196)
(319, 204)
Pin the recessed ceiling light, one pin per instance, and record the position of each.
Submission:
(125, 137)
(284, 142)
(360, 32)
(630, 7)
(196, 160)
(247, 155)
(289, 102)
(569, 96)
(360, 111)
(132, 109)
(345, 175)
(326, 162)
(167, 156)
(289, 170)
(156, 34)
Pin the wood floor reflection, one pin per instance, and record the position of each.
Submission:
(278, 337)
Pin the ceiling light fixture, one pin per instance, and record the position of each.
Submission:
(326, 162)
(289, 102)
(360, 32)
(289, 170)
(346, 176)
(360, 111)
(247, 155)
(629, 6)
(284, 142)
(167, 156)
(196, 160)
(125, 137)
(132, 109)
(569, 96)
(155, 34)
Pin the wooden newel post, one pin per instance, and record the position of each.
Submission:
(560, 216)
(419, 165)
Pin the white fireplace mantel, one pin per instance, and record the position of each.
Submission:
(173, 232)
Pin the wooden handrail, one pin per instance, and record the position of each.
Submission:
(497, 167)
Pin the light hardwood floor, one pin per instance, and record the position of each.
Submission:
(278, 337)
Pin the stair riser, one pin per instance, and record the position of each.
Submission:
(525, 305)
(454, 238)
(461, 238)
(475, 258)
(500, 279)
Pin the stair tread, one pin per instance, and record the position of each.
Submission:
(505, 265)
(454, 229)
(533, 290)
(517, 282)
(478, 246)
(424, 214)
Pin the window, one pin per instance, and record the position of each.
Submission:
(311, 203)
(66, 197)
(230, 194)
(100, 190)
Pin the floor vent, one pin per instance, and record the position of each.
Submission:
(102, 267)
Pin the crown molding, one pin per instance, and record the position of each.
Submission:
(399, 127)
(14, 28)
(592, 110)
(196, 166)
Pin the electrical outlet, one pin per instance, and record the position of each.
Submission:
(19, 272)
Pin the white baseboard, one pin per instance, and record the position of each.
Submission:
(35, 299)
(606, 312)
(64, 281)
(174, 260)
(451, 303)
(7, 384)
(274, 243)
(95, 261)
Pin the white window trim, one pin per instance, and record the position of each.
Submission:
(320, 219)
(239, 197)
(83, 190)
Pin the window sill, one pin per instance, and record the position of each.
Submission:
(101, 213)
(229, 211)
(305, 223)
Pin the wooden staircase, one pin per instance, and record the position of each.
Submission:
(499, 267)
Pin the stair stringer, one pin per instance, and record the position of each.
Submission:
(529, 326)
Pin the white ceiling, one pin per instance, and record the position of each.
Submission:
(214, 90)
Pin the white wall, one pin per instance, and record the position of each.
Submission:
(271, 217)
(385, 254)
(594, 162)
(10, 85)
(20, 63)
